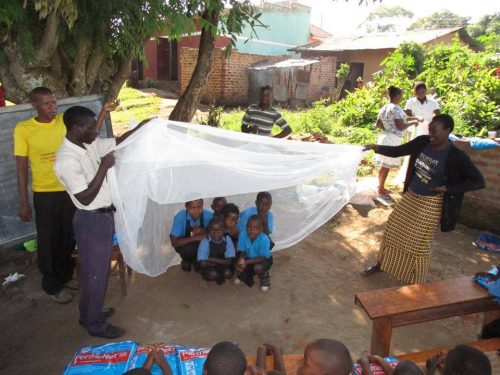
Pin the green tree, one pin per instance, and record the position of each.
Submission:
(487, 32)
(78, 47)
(384, 18)
(439, 20)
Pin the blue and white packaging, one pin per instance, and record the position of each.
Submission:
(141, 354)
(190, 361)
(107, 359)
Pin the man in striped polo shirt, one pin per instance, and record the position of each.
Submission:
(260, 118)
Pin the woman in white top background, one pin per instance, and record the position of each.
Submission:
(423, 107)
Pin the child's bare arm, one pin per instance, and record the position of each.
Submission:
(365, 365)
(279, 364)
(386, 367)
(257, 260)
(161, 362)
(180, 241)
(260, 362)
(223, 262)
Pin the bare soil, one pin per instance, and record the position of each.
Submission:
(312, 296)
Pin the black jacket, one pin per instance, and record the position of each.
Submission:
(460, 175)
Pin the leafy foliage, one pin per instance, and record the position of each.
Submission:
(439, 20)
(384, 18)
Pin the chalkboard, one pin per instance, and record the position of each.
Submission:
(12, 229)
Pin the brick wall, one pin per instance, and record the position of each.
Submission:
(322, 78)
(228, 80)
(481, 208)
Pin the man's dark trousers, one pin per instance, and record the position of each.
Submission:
(94, 240)
(55, 243)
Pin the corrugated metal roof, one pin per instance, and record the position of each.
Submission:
(319, 33)
(290, 63)
(376, 40)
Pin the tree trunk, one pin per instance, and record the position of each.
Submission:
(185, 108)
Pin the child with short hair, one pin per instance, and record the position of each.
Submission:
(255, 254)
(188, 229)
(263, 204)
(225, 358)
(325, 356)
(231, 216)
(216, 253)
(461, 360)
(217, 205)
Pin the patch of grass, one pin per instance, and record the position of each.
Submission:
(134, 105)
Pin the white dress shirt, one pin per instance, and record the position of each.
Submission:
(424, 110)
(76, 167)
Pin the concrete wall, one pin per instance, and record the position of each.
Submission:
(481, 208)
(287, 27)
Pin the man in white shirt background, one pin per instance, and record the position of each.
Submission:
(81, 166)
(422, 106)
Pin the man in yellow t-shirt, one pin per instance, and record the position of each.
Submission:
(36, 142)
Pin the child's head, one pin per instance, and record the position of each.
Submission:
(407, 368)
(218, 204)
(216, 228)
(326, 356)
(195, 208)
(264, 202)
(231, 215)
(464, 360)
(225, 358)
(420, 90)
(254, 226)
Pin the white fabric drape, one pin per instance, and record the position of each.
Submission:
(166, 163)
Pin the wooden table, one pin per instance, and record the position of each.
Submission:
(397, 307)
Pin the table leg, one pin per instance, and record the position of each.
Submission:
(381, 336)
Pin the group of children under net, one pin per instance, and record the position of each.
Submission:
(325, 357)
(221, 243)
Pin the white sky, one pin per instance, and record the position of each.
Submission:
(342, 18)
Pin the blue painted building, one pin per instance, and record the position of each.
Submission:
(288, 26)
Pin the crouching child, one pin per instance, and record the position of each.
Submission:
(216, 253)
(255, 254)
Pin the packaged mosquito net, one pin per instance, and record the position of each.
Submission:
(165, 163)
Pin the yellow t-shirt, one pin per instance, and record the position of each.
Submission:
(39, 141)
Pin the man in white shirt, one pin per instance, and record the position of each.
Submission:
(81, 166)
(421, 106)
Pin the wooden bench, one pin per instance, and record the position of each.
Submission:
(120, 264)
(486, 346)
(397, 307)
(292, 360)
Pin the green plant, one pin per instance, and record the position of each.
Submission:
(214, 116)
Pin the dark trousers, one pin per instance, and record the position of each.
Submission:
(54, 215)
(248, 272)
(189, 253)
(94, 240)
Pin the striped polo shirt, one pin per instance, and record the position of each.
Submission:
(263, 119)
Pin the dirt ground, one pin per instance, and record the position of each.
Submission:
(312, 296)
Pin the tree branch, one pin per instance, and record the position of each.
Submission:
(119, 78)
(78, 81)
(49, 41)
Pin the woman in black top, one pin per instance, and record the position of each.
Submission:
(438, 176)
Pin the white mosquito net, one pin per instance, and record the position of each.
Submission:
(166, 163)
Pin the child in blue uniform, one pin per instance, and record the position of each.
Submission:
(188, 229)
(263, 204)
(255, 254)
(218, 205)
(216, 253)
(231, 216)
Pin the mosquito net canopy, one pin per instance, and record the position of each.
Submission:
(165, 163)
